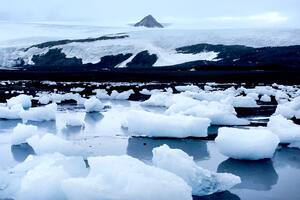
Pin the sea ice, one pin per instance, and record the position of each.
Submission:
(49, 143)
(22, 99)
(220, 113)
(142, 123)
(41, 176)
(247, 144)
(244, 102)
(73, 119)
(45, 113)
(93, 105)
(288, 109)
(126, 178)
(11, 113)
(115, 95)
(191, 88)
(265, 98)
(287, 130)
(202, 181)
(21, 132)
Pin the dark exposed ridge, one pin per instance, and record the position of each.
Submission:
(67, 41)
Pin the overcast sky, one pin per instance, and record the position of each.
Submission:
(200, 13)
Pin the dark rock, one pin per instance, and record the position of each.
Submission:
(54, 57)
(63, 42)
(243, 56)
(149, 22)
(142, 60)
(111, 61)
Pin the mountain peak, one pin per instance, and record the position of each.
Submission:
(149, 22)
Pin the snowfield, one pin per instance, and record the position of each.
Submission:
(147, 140)
(161, 42)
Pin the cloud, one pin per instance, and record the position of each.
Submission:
(265, 18)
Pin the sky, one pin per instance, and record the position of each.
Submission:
(197, 13)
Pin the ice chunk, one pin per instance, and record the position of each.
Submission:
(126, 178)
(247, 144)
(253, 95)
(73, 119)
(202, 181)
(158, 99)
(22, 99)
(78, 89)
(220, 113)
(21, 132)
(41, 176)
(150, 92)
(50, 143)
(288, 109)
(11, 113)
(265, 98)
(122, 95)
(244, 102)
(286, 130)
(115, 95)
(93, 105)
(44, 99)
(141, 123)
(191, 88)
(46, 113)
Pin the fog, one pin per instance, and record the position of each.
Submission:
(204, 14)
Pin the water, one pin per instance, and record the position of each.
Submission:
(278, 178)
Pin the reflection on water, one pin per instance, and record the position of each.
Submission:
(257, 175)
(141, 148)
(218, 196)
(9, 124)
(287, 157)
(21, 152)
(48, 126)
(71, 130)
(93, 118)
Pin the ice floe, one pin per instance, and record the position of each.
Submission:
(43, 113)
(115, 95)
(49, 143)
(93, 105)
(22, 99)
(289, 109)
(202, 181)
(124, 177)
(142, 123)
(247, 144)
(22, 132)
(11, 113)
(287, 130)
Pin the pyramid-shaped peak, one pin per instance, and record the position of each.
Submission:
(149, 22)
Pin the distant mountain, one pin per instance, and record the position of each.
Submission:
(149, 22)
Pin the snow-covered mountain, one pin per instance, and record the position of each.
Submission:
(149, 22)
(112, 47)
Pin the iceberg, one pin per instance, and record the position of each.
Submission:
(22, 132)
(49, 143)
(286, 130)
(142, 123)
(93, 105)
(39, 114)
(202, 181)
(247, 144)
(126, 178)
(22, 99)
